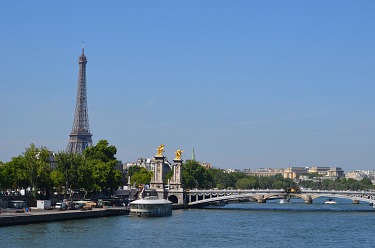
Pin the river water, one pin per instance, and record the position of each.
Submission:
(234, 225)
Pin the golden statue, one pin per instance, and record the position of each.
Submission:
(178, 154)
(160, 150)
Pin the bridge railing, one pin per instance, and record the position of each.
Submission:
(277, 191)
(212, 195)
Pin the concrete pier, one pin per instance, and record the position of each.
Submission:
(39, 216)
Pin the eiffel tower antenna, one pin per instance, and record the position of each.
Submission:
(80, 137)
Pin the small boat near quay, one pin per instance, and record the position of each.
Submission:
(283, 201)
(150, 206)
(330, 201)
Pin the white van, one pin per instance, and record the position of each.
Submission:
(60, 206)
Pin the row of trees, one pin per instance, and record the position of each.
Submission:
(339, 184)
(95, 170)
(196, 176)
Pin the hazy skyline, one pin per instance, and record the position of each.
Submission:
(248, 84)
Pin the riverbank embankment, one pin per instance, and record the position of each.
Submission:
(39, 216)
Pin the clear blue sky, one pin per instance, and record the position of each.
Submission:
(248, 84)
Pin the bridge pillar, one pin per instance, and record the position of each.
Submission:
(159, 173)
(355, 201)
(308, 200)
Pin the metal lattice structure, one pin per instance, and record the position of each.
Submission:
(80, 137)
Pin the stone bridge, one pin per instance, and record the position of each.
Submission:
(200, 197)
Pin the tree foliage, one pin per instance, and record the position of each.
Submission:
(38, 168)
(95, 170)
(66, 172)
(140, 176)
(102, 163)
(246, 183)
(14, 174)
(339, 184)
(195, 176)
(101, 151)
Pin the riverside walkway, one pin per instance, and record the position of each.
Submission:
(8, 218)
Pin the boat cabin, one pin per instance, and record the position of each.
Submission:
(150, 205)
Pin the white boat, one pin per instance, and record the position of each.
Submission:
(330, 201)
(151, 206)
(283, 201)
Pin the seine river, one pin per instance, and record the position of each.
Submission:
(235, 225)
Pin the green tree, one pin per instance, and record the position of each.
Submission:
(37, 161)
(279, 185)
(102, 162)
(265, 182)
(195, 176)
(6, 176)
(85, 177)
(101, 151)
(132, 170)
(68, 165)
(168, 176)
(142, 176)
(313, 174)
(13, 174)
(221, 179)
(58, 180)
(246, 183)
(366, 184)
(236, 176)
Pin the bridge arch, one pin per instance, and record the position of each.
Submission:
(173, 199)
(198, 197)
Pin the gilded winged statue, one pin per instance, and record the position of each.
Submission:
(160, 150)
(178, 154)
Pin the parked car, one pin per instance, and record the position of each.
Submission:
(61, 206)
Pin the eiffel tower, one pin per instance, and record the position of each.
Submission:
(80, 137)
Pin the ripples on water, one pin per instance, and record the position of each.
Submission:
(234, 225)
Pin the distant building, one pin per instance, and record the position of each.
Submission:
(298, 172)
(147, 163)
(52, 159)
(321, 170)
(263, 172)
(141, 162)
(335, 172)
(330, 172)
(356, 175)
(206, 165)
(230, 170)
(295, 172)
(370, 174)
(203, 164)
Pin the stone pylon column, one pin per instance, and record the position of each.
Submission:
(157, 180)
(175, 182)
(175, 191)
